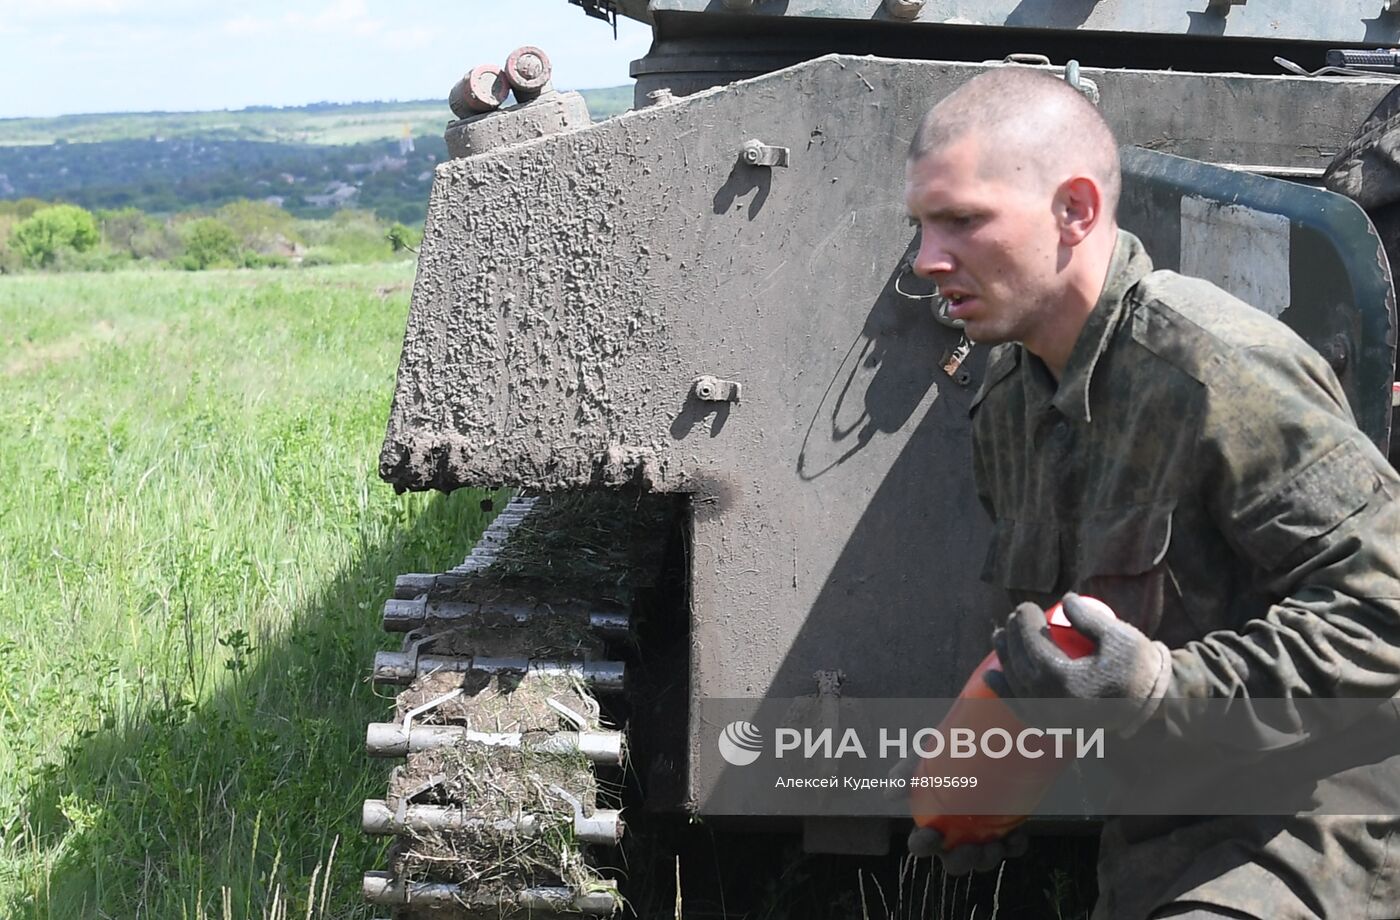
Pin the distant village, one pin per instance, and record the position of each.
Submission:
(157, 175)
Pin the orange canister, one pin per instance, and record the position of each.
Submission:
(939, 796)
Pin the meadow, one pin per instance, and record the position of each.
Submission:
(195, 550)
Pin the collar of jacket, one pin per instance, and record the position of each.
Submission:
(1129, 265)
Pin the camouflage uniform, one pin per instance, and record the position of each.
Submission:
(1197, 467)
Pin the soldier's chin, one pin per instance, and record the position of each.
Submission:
(982, 333)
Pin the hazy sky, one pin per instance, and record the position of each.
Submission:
(66, 56)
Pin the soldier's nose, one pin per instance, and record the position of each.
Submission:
(932, 263)
(933, 258)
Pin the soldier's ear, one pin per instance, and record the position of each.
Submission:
(1078, 208)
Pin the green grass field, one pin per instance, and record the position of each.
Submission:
(195, 548)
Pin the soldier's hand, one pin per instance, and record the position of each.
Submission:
(1125, 664)
(927, 842)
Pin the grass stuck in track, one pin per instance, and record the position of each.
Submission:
(195, 548)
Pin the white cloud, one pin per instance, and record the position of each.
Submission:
(80, 10)
(345, 17)
(409, 39)
(247, 25)
(62, 7)
(342, 14)
(337, 19)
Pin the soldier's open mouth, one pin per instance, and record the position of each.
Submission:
(958, 304)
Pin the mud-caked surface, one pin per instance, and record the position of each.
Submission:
(573, 597)
(496, 358)
(551, 113)
(573, 555)
(510, 811)
(503, 601)
(571, 288)
(499, 703)
(495, 785)
(554, 640)
(608, 542)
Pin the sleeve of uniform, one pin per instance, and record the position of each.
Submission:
(1301, 494)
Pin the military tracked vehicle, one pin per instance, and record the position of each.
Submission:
(690, 337)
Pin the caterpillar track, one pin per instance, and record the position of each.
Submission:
(507, 800)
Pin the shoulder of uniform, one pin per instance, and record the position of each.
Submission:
(1001, 363)
(1197, 327)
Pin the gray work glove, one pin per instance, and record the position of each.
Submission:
(967, 857)
(1125, 665)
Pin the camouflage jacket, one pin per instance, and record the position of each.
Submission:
(1198, 468)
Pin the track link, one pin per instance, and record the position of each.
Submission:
(499, 808)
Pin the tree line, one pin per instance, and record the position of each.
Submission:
(38, 235)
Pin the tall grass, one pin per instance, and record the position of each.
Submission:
(193, 548)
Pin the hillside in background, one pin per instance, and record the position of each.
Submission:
(169, 176)
(318, 123)
(311, 124)
(311, 160)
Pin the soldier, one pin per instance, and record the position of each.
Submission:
(1150, 440)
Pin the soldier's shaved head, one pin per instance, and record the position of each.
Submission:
(1030, 126)
(1013, 181)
